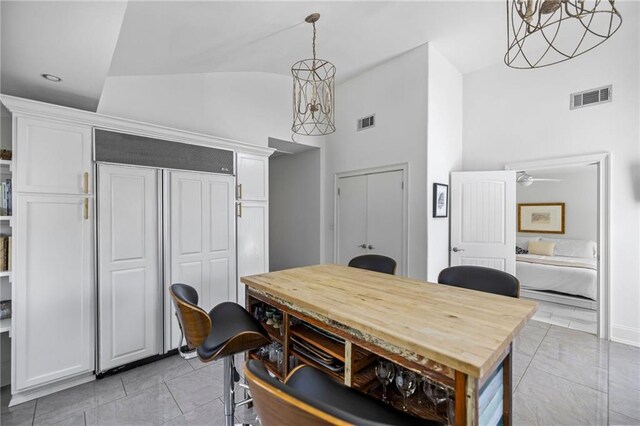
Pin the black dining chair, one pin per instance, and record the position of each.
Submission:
(480, 278)
(374, 262)
(227, 329)
(310, 397)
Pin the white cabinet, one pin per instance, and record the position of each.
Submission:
(54, 313)
(53, 157)
(253, 241)
(202, 240)
(253, 177)
(129, 264)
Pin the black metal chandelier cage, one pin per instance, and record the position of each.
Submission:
(313, 93)
(543, 33)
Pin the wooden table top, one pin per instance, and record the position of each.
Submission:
(463, 329)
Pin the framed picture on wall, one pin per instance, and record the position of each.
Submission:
(545, 218)
(440, 200)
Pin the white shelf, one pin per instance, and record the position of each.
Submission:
(7, 163)
(5, 218)
(5, 325)
(5, 273)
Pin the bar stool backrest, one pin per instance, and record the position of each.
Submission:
(480, 278)
(195, 322)
(374, 262)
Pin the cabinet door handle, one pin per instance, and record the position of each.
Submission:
(86, 182)
(86, 208)
(239, 191)
(239, 213)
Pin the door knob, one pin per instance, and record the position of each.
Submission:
(370, 247)
(456, 249)
(364, 246)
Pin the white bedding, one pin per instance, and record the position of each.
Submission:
(577, 275)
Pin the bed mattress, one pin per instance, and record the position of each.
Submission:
(571, 275)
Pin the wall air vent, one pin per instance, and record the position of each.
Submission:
(366, 122)
(591, 97)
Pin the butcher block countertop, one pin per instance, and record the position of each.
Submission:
(463, 329)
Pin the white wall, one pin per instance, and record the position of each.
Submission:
(396, 91)
(249, 107)
(294, 210)
(578, 190)
(517, 115)
(444, 151)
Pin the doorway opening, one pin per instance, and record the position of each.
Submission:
(571, 280)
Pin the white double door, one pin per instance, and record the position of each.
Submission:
(156, 228)
(371, 216)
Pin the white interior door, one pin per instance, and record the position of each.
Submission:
(483, 219)
(385, 216)
(202, 240)
(352, 218)
(129, 283)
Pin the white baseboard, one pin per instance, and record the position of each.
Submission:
(626, 335)
(20, 397)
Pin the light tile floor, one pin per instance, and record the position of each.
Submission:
(567, 316)
(561, 377)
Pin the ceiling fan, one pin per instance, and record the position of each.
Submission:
(525, 179)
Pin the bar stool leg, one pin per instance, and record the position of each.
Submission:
(229, 399)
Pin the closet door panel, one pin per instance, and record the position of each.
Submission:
(202, 238)
(129, 264)
(253, 242)
(253, 177)
(352, 218)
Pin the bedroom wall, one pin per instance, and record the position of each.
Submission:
(578, 189)
(523, 115)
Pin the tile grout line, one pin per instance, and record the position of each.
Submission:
(171, 393)
(35, 408)
(532, 356)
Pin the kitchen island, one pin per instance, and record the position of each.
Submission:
(459, 338)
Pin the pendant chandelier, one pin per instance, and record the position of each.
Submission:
(542, 33)
(313, 92)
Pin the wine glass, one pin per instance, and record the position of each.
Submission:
(406, 382)
(427, 388)
(385, 372)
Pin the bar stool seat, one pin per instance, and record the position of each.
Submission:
(236, 322)
(311, 397)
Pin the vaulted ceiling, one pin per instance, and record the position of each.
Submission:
(85, 42)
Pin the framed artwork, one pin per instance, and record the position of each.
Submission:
(547, 218)
(440, 200)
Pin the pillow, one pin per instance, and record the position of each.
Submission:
(543, 248)
(523, 242)
(573, 248)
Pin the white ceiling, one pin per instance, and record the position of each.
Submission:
(85, 41)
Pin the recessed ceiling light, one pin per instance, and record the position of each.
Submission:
(52, 77)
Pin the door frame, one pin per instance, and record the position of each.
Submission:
(603, 162)
(401, 167)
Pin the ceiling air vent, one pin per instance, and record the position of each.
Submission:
(366, 122)
(591, 97)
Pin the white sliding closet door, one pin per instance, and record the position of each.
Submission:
(129, 277)
(201, 238)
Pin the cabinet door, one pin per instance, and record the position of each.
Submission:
(202, 242)
(53, 158)
(253, 242)
(129, 283)
(55, 291)
(253, 177)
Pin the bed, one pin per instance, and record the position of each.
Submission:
(571, 271)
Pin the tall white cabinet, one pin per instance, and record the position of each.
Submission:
(53, 286)
(252, 216)
(90, 279)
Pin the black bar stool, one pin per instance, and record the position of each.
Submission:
(374, 262)
(310, 397)
(227, 329)
(480, 278)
